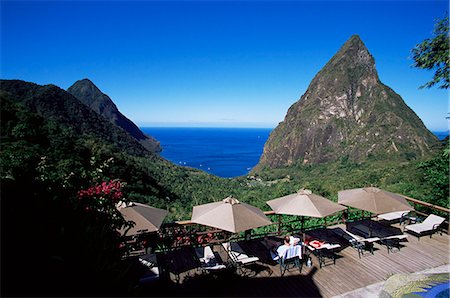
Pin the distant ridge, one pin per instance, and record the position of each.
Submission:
(346, 112)
(56, 104)
(90, 95)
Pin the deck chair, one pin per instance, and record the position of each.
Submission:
(393, 216)
(392, 241)
(429, 226)
(324, 252)
(152, 273)
(292, 258)
(386, 235)
(208, 259)
(357, 242)
(237, 257)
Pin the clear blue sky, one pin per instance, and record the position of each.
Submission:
(211, 63)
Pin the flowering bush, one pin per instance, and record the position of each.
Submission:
(104, 193)
(103, 198)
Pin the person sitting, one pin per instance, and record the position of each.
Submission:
(276, 250)
(282, 248)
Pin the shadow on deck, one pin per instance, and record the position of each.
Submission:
(229, 284)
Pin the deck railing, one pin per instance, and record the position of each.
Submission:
(185, 232)
(442, 211)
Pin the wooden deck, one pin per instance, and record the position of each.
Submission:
(349, 273)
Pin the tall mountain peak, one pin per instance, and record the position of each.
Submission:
(354, 53)
(89, 94)
(87, 88)
(347, 112)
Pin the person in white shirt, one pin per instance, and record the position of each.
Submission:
(283, 247)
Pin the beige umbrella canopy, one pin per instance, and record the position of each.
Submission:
(373, 199)
(147, 218)
(229, 215)
(305, 203)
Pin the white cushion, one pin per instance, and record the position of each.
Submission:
(392, 215)
(432, 221)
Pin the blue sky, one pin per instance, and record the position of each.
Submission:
(213, 63)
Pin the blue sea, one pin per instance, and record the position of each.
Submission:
(224, 152)
(441, 134)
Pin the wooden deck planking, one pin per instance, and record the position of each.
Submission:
(415, 256)
(349, 273)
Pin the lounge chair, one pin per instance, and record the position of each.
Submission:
(323, 251)
(292, 258)
(387, 236)
(208, 259)
(429, 226)
(393, 216)
(152, 274)
(392, 241)
(357, 242)
(237, 257)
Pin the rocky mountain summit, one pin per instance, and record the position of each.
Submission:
(347, 112)
(90, 95)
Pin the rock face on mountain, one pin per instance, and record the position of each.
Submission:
(346, 112)
(91, 96)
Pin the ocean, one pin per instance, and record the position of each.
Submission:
(224, 152)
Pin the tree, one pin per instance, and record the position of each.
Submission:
(435, 174)
(433, 54)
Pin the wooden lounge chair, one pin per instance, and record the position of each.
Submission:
(357, 242)
(292, 258)
(209, 260)
(237, 257)
(429, 226)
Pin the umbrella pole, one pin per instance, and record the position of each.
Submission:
(303, 236)
(279, 225)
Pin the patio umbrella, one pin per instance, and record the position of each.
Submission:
(373, 199)
(229, 215)
(147, 218)
(305, 203)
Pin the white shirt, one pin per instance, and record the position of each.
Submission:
(282, 249)
(293, 240)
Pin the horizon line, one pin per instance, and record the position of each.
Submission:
(226, 127)
(246, 127)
